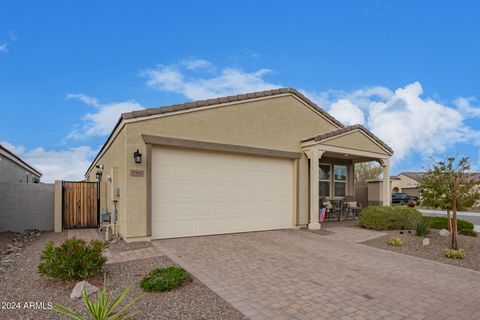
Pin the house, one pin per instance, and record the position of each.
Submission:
(407, 182)
(15, 170)
(249, 162)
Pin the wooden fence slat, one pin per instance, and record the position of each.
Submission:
(79, 206)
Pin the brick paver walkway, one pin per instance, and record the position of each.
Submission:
(293, 274)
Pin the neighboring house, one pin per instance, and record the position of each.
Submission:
(407, 182)
(14, 170)
(250, 162)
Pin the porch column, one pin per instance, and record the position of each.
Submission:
(314, 155)
(386, 192)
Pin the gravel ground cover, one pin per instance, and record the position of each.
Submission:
(23, 284)
(121, 245)
(6, 238)
(12, 244)
(412, 245)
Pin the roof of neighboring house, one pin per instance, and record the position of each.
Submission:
(418, 175)
(10, 155)
(347, 129)
(226, 99)
(412, 175)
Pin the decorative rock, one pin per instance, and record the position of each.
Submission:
(444, 233)
(79, 287)
(426, 241)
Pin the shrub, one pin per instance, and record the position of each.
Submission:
(421, 226)
(74, 259)
(165, 279)
(102, 308)
(454, 254)
(388, 218)
(468, 232)
(395, 241)
(442, 223)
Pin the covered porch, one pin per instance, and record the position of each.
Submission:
(332, 157)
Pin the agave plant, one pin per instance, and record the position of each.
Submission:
(101, 307)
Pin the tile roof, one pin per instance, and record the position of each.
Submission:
(209, 102)
(418, 175)
(343, 130)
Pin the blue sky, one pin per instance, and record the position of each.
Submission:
(408, 70)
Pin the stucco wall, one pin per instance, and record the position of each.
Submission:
(10, 172)
(275, 123)
(26, 206)
(113, 161)
(356, 141)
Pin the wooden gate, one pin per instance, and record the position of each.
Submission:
(80, 204)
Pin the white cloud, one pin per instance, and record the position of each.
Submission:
(91, 101)
(197, 64)
(68, 164)
(347, 112)
(403, 118)
(229, 81)
(465, 106)
(4, 47)
(102, 121)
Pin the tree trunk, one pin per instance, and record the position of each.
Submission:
(449, 221)
(454, 216)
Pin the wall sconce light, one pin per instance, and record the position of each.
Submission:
(98, 175)
(137, 156)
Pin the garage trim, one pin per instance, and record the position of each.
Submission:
(213, 146)
(209, 146)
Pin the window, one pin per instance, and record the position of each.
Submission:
(340, 180)
(324, 180)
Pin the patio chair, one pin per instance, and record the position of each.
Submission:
(331, 214)
(353, 209)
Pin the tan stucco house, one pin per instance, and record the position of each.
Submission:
(407, 182)
(256, 161)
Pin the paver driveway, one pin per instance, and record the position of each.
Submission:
(291, 274)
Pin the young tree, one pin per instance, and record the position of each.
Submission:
(365, 171)
(447, 185)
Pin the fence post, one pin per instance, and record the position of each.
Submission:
(58, 206)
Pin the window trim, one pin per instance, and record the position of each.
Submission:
(340, 181)
(329, 180)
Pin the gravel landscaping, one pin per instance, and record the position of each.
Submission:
(12, 244)
(23, 284)
(412, 245)
(121, 245)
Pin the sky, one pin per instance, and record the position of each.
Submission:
(408, 70)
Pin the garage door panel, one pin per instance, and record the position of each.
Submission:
(200, 193)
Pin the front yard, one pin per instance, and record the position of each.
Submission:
(22, 283)
(412, 245)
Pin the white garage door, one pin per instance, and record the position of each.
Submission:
(202, 192)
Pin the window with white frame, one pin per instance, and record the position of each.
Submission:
(339, 180)
(324, 180)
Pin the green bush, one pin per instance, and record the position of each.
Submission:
(454, 254)
(388, 218)
(74, 259)
(165, 279)
(395, 242)
(421, 226)
(469, 232)
(442, 223)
